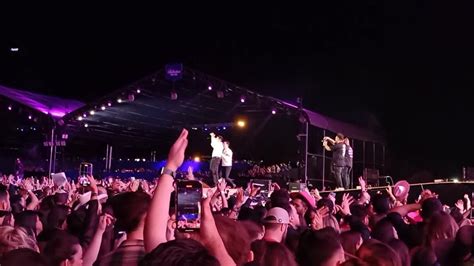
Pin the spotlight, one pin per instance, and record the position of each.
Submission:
(241, 123)
(119, 100)
(174, 95)
(205, 129)
(144, 160)
(84, 115)
(139, 91)
(86, 125)
(109, 104)
(14, 49)
(194, 128)
(30, 117)
(102, 108)
(209, 87)
(242, 99)
(10, 108)
(79, 118)
(197, 159)
(274, 111)
(92, 112)
(224, 128)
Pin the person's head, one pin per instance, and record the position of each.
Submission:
(384, 231)
(30, 221)
(130, 210)
(375, 252)
(180, 252)
(381, 203)
(57, 217)
(423, 256)
(235, 237)
(63, 250)
(347, 141)
(23, 256)
(226, 144)
(430, 206)
(271, 253)
(276, 224)
(360, 212)
(254, 230)
(61, 198)
(300, 206)
(294, 217)
(456, 214)
(440, 226)
(12, 238)
(319, 248)
(351, 241)
(339, 138)
(325, 202)
(402, 251)
(463, 246)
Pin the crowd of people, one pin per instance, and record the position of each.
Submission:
(112, 222)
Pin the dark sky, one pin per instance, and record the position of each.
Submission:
(407, 66)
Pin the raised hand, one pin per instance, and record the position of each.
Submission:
(347, 200)
(221, 186)
(93, 184)
(460, 205)
(176, 154)
(363, 184)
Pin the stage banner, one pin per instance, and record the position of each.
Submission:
(174, 72)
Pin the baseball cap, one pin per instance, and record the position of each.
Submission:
(277, 215)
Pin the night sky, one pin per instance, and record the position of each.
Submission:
(407, 68)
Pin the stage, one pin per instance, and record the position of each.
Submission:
(449, 192)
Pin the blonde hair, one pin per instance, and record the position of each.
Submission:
(15, 237)
(440, 226)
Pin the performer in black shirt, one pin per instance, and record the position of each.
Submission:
(338, 149)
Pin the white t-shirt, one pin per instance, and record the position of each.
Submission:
(227, 157)
(217, 147)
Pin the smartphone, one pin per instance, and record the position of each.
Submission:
(188, 205)
(85, 169)
(264, 185)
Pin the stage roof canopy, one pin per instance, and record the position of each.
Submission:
(173, 98)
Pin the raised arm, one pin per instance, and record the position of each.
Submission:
(157, 216)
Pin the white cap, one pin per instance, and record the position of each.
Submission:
(277, 215)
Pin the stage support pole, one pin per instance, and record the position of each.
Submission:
(107, 158)
(110, 157)
(373, 155)
(51, 151)
(324, 163)
(306, 154)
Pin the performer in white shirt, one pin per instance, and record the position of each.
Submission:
(217, 148)
(227, 162)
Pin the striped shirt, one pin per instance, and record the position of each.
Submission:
(129, 253)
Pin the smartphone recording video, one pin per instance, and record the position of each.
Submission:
(85, 169)
(264, 185)
(188, 205)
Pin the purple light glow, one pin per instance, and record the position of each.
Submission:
(54, 106)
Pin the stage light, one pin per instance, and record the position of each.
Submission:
(241, 123)
(14, 49)
(144, 160)
(79, 118)
(455, 180)
(205, 129)
(197, 159)
(242, 99)
(194, 128)
(224, 128)
(92, 112)
(30, 117)
(10, 108)
(84, 115)
(102, 107)
(86, 125)
(209, 87)
(131, 97)
(274, 111)
(174, 95)
(139, 91)
(119, 100)
(109, 104)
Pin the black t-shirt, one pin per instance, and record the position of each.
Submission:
(349, 156)
(338, 154)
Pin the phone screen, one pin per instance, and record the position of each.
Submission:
(85, 169)
(263, 184)
(188, 205)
